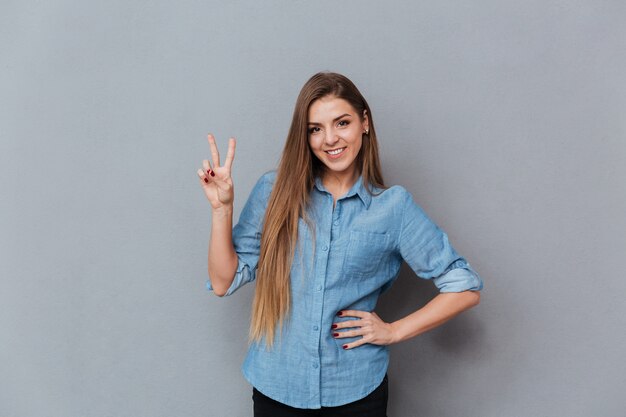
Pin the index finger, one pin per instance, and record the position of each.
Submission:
(215, 156)
(230, 155)
(353, 313)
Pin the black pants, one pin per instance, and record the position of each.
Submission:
(374, 405)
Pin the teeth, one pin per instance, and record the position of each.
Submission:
(335, 152)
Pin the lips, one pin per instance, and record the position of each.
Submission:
(335, 152)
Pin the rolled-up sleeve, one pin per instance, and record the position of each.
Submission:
(247, 233)
(426, 249)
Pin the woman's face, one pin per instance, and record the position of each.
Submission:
(336, 134)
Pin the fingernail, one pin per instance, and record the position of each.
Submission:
(205, 180)
(340, 313)
(212, 173)
(335, 334)
(345, 346)
(334, 326)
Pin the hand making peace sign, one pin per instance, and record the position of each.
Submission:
(216, 181)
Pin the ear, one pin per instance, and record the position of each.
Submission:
(366, 120)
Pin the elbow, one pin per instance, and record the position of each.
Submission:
(221, 280)
(475, 298)
(219, 293)
(216, 288)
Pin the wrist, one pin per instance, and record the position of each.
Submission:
(395, 332)
(223, 211)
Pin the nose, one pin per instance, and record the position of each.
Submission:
(331, 137)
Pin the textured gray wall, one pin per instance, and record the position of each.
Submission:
(504, 119)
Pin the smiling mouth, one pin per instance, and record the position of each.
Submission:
(335, 151)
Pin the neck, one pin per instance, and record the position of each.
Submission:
(339, 182)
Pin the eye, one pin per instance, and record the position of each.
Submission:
(346, 123)
(313, 129)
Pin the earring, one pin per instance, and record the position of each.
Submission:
(367, 132)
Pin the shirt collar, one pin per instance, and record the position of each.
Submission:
(357, 188)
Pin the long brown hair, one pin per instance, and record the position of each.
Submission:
(289, 200)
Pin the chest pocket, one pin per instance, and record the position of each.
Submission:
(364, 252)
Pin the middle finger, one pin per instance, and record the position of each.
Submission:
(348, 333)
(215, 155)
(346, 324)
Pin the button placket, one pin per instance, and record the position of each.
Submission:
(324, 232)
(334, 230)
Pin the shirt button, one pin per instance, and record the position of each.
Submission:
(336, 223)
(319, 288)
(325, 248)
(315, 328)
(315, 365)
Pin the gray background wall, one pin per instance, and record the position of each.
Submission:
(504, 119)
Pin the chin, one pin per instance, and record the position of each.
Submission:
(339, 169)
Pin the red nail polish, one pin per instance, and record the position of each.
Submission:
(205, 180)
(335, 334)
(212, 173)
(340, 313)
(334, 326)
(345, 346)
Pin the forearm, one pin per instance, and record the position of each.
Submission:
(439, 310)
(222, 258)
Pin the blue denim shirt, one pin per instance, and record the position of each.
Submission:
(359, 247)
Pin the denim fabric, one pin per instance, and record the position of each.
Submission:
(350, 256)
(373, 405)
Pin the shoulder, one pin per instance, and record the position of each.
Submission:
(263, 187)
(266, 181)
(402, 202)
(269, 177)
(258, 197)
(396, 194)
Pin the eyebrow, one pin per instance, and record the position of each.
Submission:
(334, 120)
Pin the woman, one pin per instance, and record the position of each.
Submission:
(323, 238)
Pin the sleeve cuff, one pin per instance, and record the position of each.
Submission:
(242, 276)
(459, 280)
